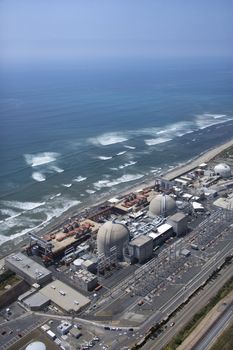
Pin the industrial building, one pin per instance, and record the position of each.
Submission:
(162, 205)
(163, 233)
(179, 222)
(28, 269)
(141, 248)
(36, 301)
(86, 280)
(65, 297)
(64, 327)
(112, 234)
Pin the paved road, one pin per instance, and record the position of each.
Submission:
(183, 316)
(215, 330)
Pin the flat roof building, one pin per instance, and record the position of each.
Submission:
(179, 223)
(36, 301)
(141, 248)
(28, 269)
(86, 280)
(65, 297)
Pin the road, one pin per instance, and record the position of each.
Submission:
(212, 334)
(183, 316)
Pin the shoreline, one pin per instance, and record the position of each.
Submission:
(15, 244)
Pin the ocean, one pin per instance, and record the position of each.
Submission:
(73, 134)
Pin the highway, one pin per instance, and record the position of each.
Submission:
(212, 334)
(184, 315)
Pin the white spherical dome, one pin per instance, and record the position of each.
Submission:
(223, 170)
(112, 234)
(36, 345)
(162, 204)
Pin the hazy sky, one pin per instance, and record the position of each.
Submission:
(70, 29)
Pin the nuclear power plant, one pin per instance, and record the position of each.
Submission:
(117, 261)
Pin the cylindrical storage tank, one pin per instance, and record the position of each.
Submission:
(36, 345)
(163, 205)
(77, 263)
(222, 170)
(112, 234)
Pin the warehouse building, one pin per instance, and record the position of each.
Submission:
(28, 269)
(65, 297)
(36, 301)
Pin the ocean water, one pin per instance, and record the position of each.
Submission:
(73, 134)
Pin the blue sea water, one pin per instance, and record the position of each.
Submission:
(73, 133)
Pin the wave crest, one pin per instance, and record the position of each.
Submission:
(37, 176)
(40, 158)
(125, 178)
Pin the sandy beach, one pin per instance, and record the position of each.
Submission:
(18, 243)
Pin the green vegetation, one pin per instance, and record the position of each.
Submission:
(191, 325)
(225, 341)
(8, 278)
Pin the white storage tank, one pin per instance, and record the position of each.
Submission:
(222, 170)
(36, 345)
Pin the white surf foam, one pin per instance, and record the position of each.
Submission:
(90, 191)
(104, 158)
(206, 120)
(120, 153)
(40, 158)
(80, 179)
(28, 223)
(10, 213)
(56, 168)
(27, 206)
(129, 147)
(127, 164)
(67, 185)
(108, 139)
(55, 195)
(215, 116)
(125, 178)
(152, 142)
(114, 169)
(37, 176)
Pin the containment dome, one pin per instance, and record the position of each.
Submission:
(36, 345)
(163, 205)
(112, 234)
(222, 170)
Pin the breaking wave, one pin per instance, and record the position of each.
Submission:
(40, 158)
(152, 142)
(129, 147)
(104, 158)
(90, 191)
(127, 164)
(56, 168)
(38, 176)
(67, 185)
(120, 153)
(80, 179)
(23, 205)
(108, 139)
(109, 183)
(28, 223)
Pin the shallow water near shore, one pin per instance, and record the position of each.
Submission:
(72, 136)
